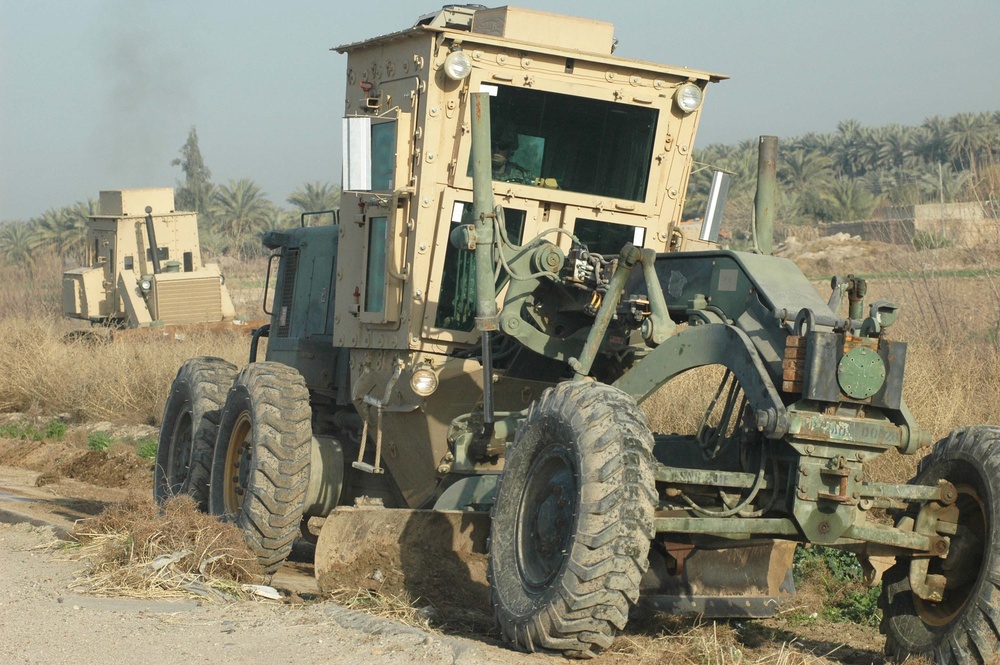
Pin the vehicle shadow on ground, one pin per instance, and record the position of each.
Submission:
(449, 576)
(835, 651)
(650, 632)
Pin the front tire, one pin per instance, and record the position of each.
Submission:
(964, 627)
(572, 521)
(260, 470)
(188, 428)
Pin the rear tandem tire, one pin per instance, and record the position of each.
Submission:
(965, 626)
(573, 520)
(188, 428)
(260, 470)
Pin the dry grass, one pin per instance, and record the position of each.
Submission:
(399, 608)
(698, 645)
(46, 371)
(135, 549)
(662, 639)
(245, 280)
(679, 406)
(123, 381)
(34, 291)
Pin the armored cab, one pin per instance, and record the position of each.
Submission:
(587, 145)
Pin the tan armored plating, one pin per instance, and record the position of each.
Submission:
(542, 69)
(122, 285)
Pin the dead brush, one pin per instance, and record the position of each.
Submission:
(137, 549)
(125, 381)
(399, 608)
(659, 639)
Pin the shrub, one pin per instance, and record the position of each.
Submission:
(20, 431)
(54, 429)
(100, 441)
(840, 576)
(928, 240)
(146, 447)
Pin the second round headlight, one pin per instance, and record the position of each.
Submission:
(457, 65)
(688, 97)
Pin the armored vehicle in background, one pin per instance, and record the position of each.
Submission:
(144, 266)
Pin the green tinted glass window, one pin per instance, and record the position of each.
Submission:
(375, 272)
(605, 238)
(573, 143)
(457, 299)
(383, 155)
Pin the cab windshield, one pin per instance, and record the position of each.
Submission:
(571, 143)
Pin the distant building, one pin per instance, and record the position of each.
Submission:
(961, 224)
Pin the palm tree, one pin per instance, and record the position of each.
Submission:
(315, 196)
(931, 142)
(851, 200)
(741, 162)
(801, 168)
(895, 186)
(969, 138)
(63, 229)
(897, 148)
(239, 209)
(813, 142)
(848, 148)
(16, 244)
(941, 182)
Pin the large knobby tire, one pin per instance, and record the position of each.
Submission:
(260, 471)
(573, 520)
(188, 428)
(965, 626)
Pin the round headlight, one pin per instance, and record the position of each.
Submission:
(145, 285)
(457, 65)
(688, 97)
(424, 382)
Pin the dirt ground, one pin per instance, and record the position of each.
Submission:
(44, 617)
(43, 621)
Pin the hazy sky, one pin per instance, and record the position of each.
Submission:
(100, 94)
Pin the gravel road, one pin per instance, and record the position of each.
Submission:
(43, 621)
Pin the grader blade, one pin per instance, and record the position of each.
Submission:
(367, 547)
(747, 580)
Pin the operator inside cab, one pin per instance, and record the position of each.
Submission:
(505, 169)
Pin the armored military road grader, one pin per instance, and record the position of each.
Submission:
(144, 266)
(514, 282)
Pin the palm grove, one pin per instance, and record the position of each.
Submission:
(842, 176)
(850, 174)
(231, 217)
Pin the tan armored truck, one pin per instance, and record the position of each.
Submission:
(144, 266)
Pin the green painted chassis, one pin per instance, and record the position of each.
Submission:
(742, 310)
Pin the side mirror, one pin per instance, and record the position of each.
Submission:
(357, 142)
(716, 206)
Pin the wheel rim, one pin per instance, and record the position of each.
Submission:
(962, 570)
(239, 455)
(545, 517)
(180, 447)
